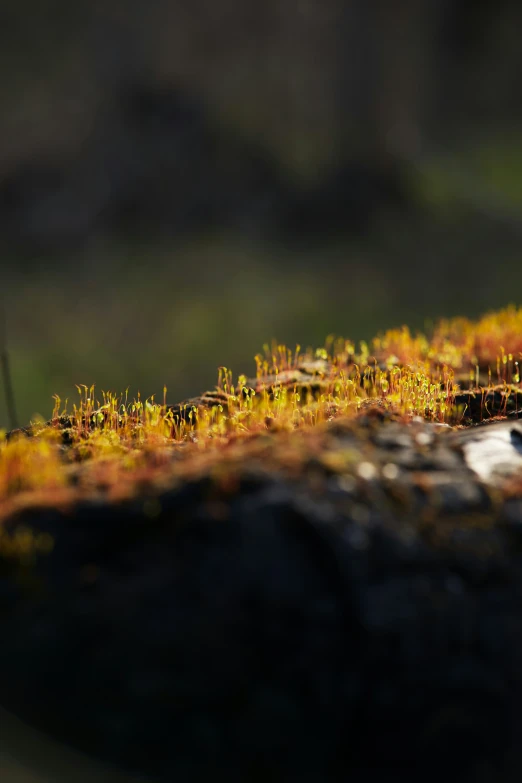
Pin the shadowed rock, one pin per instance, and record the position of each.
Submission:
(344, 603)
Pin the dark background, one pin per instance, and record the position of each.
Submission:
(181, 182)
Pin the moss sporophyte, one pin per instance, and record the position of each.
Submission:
(460, 374)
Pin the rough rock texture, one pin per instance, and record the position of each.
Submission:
(341, 605)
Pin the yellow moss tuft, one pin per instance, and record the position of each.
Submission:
(413, 375)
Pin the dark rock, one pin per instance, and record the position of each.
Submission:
(332, 624)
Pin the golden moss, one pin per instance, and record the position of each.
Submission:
(455, 372)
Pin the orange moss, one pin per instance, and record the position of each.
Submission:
(131, 443)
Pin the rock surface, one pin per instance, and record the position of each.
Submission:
(342, 604)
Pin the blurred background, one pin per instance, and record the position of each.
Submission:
(182, 182)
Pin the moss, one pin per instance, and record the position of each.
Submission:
(462, 373)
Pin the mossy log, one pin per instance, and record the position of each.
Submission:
(337, 604)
